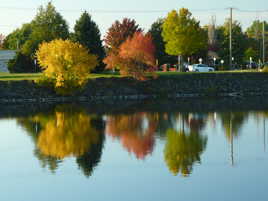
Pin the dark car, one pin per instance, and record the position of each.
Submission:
(250, 65)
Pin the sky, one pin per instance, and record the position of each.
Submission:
(14, 13)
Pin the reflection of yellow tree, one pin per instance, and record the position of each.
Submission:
(182, 151)
(67, 134)
(136, 132)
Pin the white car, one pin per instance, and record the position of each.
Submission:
(200, 68)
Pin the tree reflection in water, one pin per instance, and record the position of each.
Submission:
(183, 150)
(135, 131)
(232, 122)
(67, 131)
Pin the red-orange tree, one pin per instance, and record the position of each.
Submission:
(136, 55)
(117, 34)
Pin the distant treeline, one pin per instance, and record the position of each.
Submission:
(178, 34)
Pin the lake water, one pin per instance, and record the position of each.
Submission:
(67, 153)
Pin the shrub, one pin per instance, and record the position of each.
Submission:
(65, 64)
(265, 69)
(22, 64)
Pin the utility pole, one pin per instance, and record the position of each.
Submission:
(263, 42)
(230, 45)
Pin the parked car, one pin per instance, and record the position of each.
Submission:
(251, 65)
(200, 68)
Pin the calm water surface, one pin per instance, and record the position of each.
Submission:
(69, 154)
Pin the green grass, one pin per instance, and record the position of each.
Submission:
(19, 76)
(34, 76)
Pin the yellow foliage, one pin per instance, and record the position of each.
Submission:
(66, 63)
(67, 134)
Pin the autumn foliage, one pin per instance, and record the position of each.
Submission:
(135, 56)
(67, 133)
(129, 129)
(65, 64)
(118, 33)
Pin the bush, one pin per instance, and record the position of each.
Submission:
(66, 65)
(22, 64)
(265, 69)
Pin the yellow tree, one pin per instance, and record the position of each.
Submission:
(182, 34)
(65, 64)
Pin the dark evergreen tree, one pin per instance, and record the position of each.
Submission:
(160, 54)
(87, 33)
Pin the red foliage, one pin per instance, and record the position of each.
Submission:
(140, 48)
(137, 56)
(119, 32)
(131, 133)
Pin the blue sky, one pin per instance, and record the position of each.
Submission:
(13, 12)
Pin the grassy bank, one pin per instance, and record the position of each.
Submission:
(33, 76)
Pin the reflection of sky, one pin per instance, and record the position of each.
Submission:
(25, 10)
(120, 176)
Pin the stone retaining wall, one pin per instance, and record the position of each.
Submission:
(113, 89)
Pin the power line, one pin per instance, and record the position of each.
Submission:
(113, 11)
(251, 11)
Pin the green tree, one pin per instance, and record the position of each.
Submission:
(255, 34)
(18, 37)
(87, 33)
(183, 34)
(47, 25)
(251, 52)
(239, 42)
(156, 33)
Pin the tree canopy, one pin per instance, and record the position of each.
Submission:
(156, 33)
(239, 41)
(182, 33)
(66, 64)
(117, 34)
(47, 25)
(87, 33)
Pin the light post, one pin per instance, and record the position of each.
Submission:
(232, 62)
(222, 62)
(214, 59)
(35, 65)
(250, 62)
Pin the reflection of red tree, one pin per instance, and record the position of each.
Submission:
(135, 137)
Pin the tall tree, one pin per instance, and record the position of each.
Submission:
(87, 33)
(255, 34)
(118, 33)
(183, 34)
(47, 25)
(156, 33)
(18, 37)
(239, 41)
